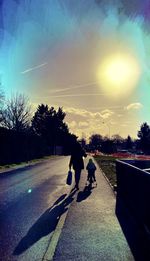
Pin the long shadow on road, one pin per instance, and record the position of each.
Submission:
(45, 224)
(83, 195)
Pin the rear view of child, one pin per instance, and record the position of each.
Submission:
(91, 171)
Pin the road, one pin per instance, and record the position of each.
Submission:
(28, 209)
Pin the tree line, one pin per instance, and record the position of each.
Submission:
(116, 143)
(24, 136)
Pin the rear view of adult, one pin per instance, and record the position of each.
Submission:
(76, 161)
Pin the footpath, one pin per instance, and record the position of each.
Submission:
(91, 231)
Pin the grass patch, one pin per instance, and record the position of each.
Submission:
(108, 166)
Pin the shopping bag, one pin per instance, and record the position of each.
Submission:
(69, 178)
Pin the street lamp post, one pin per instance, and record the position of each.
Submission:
(108, 128)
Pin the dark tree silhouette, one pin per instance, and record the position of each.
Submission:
(16, 113)
(23, 139)
(49, 124)
(83, 142)
(144, 136)
(108, 146)
(47, 121)
(105, 144)
(117, 139)
(40, 119)
(95, 142)
(129, 143)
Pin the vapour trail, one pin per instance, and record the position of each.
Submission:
(79, 95)
(34, 68)
(74, 87)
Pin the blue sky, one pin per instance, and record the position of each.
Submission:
(51, 51)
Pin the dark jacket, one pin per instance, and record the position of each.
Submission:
(76, 160)
(91, 167)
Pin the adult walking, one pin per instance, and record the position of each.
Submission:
(76, 161)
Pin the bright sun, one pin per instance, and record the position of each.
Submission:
(119, 74)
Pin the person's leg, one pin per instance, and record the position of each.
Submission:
(91, 179)
(94, 176)
(77, 178)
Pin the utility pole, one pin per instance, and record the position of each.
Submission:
(108, 128)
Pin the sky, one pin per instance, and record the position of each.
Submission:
(91, 57)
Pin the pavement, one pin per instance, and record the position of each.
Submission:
(90, 230)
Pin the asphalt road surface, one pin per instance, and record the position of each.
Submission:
(29, 209)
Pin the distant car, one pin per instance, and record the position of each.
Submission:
(122, 154)
(123, 151)
(139, 152)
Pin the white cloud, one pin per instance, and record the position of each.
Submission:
(106, 114)
(134, 106)
(120, 115)
(103, 122)
(72, 124)
(113, 122)
(83, 124)
(82, 113)
(75, 111)
(123, 125)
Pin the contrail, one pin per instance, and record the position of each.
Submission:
(79, 95)
(34, 68)
(74, 87)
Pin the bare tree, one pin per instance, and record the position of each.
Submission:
(16, 114)
(1, 102)
(1, 96)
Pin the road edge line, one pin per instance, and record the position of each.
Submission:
(49, 254)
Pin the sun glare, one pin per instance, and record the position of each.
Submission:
(119, 74)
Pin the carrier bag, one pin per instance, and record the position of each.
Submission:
(69, 178)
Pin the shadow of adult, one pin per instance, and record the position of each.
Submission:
(45, 224)
(83, 195)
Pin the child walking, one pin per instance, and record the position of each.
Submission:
(91, 171)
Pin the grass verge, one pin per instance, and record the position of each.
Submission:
(108, 166)
(25, 163)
